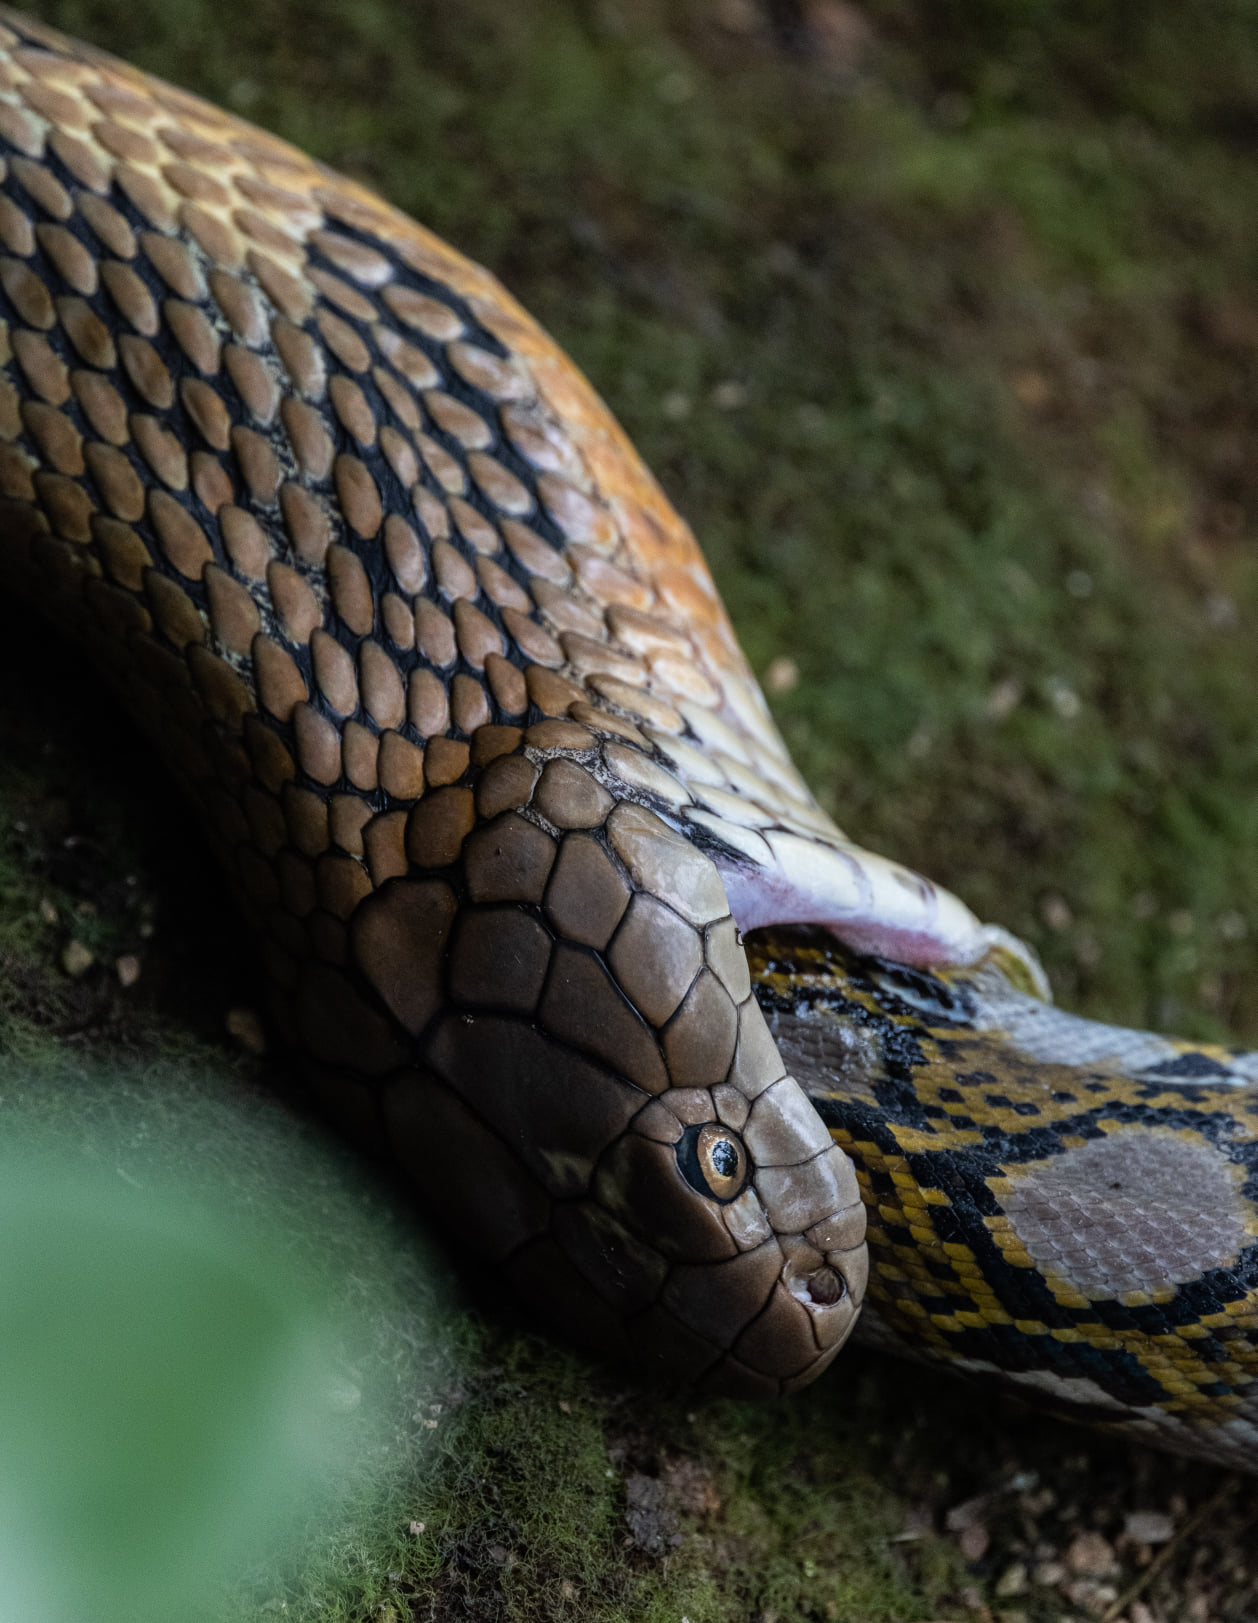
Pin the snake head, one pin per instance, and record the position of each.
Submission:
(601, 1110)
(757, 1218)
(720, 1228)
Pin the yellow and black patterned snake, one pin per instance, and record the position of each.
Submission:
(451, 689)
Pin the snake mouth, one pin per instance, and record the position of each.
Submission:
(808, 1312)
(799, 1327)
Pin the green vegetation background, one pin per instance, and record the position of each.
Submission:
(939, 322)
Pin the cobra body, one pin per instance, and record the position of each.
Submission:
(449, 684)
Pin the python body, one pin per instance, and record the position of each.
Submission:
(450, 687)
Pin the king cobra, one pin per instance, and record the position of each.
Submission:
(452, 692)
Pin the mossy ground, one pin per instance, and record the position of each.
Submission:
(940, 325)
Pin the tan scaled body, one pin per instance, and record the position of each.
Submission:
(451, 689)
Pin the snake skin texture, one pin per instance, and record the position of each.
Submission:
(451, 689)
(1065, 1204)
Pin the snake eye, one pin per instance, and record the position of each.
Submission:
(713, 1161)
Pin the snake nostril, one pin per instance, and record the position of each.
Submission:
(826, 1287)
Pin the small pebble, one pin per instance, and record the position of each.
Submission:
(1148, 1526)
(76, 959)
(1091, 1556)
(782, 675)
(1063, 698)
(127, 969)
(1003, 698)
(969, 1513)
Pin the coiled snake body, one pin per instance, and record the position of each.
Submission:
(451, 688)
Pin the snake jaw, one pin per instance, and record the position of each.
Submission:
(873, 905)
(810, 1196)
(763, 1285)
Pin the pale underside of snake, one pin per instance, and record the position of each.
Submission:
(452, 691)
